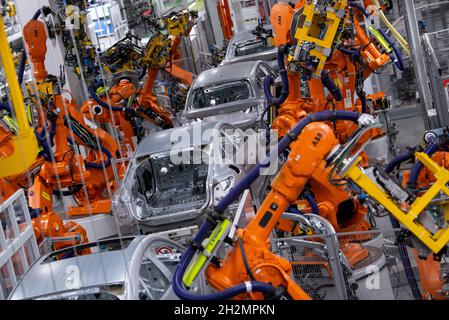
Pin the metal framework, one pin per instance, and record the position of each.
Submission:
(18, 246)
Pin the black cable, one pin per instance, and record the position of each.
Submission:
(245, 260)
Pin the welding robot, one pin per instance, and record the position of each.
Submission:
(18, 175)
(336, 57)
(250, 269)
(433, 269)
(65, 128)
(158, 54)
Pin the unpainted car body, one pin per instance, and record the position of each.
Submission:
(247, 46)
(176, 176)
(126, 268)
(233, 93)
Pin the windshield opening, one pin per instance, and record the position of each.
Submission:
(165, 181)
(218, 94)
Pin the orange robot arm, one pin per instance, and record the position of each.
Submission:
(370, 53)
(307, 155)
(149, 106)
(281, 17)
(35, 37)
(186, 77)
(118, 119)
(225, 18)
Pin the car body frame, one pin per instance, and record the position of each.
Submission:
(248, 46)
(233, 93)
(176, 176)
(125, 268)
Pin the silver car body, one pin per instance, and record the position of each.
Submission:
(159, 194)
(232, 93)
(248, 39)
(109, 272)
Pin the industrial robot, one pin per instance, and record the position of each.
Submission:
(64, 129)
(249, 269)
(46, 225)
(433, 269)
(20, 175)
(127, 62)
(329, 56)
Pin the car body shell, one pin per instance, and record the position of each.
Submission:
(105, 271)
(185, 212)
(234, 112)
(247, 37)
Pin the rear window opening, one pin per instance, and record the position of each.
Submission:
(251, 47)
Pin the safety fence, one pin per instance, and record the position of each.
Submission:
(368, 265)
(352, 266)
(18, 246)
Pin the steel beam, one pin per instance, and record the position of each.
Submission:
(419, 67)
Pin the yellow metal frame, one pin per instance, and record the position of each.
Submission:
(309, 30)
(157, 50)
(311, 23)
(179, 25)
(434, 242)
(24, 143)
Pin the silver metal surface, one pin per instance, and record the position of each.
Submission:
(117, 271)
(48, 278)
(185, 202)
(436, 82)
(411, 23)
(225, 73)
(235, 112)
(269, 55)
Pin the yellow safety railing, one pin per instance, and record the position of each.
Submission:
(24, 142)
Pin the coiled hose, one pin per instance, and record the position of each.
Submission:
(207, 226)
(277, 101)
